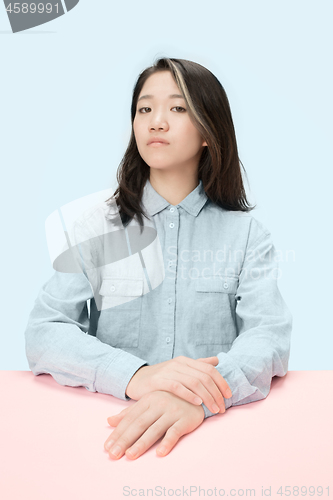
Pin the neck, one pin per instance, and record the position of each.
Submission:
(173, 188)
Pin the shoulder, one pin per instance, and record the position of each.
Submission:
(237, 219)
(93, 214)
(238, 223)
(255, 227)
(96, 219)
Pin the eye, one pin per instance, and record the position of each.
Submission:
(140, 110)
(146, 107)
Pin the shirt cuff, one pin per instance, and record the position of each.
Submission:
(115, 378)
(208, 413)
(239, 385)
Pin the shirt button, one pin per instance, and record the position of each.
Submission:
(226, 285)
(171, 225)
(172, 209)
(170, 263)
(169, 300)
(168, 339)
(112, 288)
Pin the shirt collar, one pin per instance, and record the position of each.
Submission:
(153, 202)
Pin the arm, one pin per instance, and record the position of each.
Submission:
(264, 323)
(57, 341)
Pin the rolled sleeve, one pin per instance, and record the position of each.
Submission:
(116, 376)
(264, 324)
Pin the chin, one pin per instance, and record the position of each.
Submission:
(158, 165)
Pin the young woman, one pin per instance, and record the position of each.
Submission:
(190, 320)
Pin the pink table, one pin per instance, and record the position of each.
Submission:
(52, 445)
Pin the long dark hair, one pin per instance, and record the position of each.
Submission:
(219, 165)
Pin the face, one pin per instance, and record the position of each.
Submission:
(161, 113)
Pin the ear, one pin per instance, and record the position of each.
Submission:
(204, 143)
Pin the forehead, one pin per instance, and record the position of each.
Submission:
(160, 84)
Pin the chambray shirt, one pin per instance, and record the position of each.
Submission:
(204, 283)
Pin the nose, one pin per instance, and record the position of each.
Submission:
(158, 122)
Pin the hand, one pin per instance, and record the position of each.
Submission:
(195, 381)
(157, 414)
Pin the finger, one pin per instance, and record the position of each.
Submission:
(155, 431)
(214, 360)
(178, 388)
(172, 436)
(201, 386)
(220, 382)
(114, 419)
(129, 430)
(132, 433)
(191, 383)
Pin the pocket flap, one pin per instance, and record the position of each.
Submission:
(217, 283)
(125, 287)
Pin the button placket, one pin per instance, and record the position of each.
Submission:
(172, 222)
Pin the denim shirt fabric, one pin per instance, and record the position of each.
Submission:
(206, 286)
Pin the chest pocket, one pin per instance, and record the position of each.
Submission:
(119, 322)
(214, 310)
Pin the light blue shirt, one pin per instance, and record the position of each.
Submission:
(207, 286)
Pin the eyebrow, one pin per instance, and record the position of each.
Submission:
(172, 96)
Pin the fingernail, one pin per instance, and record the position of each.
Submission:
(162, 450)
(116, 451)
(215, 408)
(133, 451)
(109, 444)
(228, 393)
(197, 401)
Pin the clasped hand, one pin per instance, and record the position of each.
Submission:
(169, 397)
(194, 380)
(155, 415)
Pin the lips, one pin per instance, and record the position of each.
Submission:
(157, 141)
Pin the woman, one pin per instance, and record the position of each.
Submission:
(193, 323)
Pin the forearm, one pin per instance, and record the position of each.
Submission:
(57, 342)
(264, 324)
(251, 364)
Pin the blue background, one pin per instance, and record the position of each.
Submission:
(66, 90)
